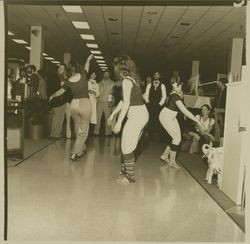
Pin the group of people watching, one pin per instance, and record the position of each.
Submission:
(33, 78)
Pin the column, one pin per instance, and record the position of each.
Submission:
(66, 58)
(2, 165)
(235, 60)
(37, 46)
(195, 76)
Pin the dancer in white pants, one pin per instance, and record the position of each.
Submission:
(169, 122)
(133, 106)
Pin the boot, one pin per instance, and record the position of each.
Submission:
(129, 163)
(165, 155)
(173, 160)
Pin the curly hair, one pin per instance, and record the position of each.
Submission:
(73, 65)
(125, 65)
(176, 80)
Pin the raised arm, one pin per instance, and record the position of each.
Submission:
(87, 63)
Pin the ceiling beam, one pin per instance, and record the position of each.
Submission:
(128, 2)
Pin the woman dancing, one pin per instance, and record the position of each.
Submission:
(169, 122)
(80, 104)
(133, 106)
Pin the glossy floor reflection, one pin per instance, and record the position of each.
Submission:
(53, 198)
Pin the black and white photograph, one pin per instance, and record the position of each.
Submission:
(124, 121)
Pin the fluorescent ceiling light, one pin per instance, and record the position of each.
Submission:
(49, 58)
(113, 19)
(102, 64)
(152, 12)
(55, 62)
(72, 9)
(80, 24)
(45, 54)
(29, 48)
(19, 41)
(98, 57)
(10, 33)
(92, 45)
(100, 61)
(87, 37)
(95, 52)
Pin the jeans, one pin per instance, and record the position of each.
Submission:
(81, 114)
(58, 114)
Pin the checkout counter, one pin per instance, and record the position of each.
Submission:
(15, 128)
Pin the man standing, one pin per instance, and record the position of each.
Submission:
(155, 97)
(42, 85)
(103, 107)
(220, 98)
(33, 80)
(219, 108)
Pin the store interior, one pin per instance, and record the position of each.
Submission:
(202, 43)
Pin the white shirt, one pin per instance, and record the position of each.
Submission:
(207, 123)
(163, 94)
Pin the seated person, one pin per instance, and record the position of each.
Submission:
(196, 135)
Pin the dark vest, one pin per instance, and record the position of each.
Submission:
(155, 94)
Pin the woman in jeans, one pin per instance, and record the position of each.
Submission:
(133, 106)
(80, 104)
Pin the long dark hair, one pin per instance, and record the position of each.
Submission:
(125, 65)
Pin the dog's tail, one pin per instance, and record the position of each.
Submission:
(205, 149)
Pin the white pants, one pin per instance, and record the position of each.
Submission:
(132, 131)
(169, 122)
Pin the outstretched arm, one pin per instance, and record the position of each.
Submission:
(185, 111)
(57, 94)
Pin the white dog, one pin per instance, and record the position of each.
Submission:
(215, 160)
